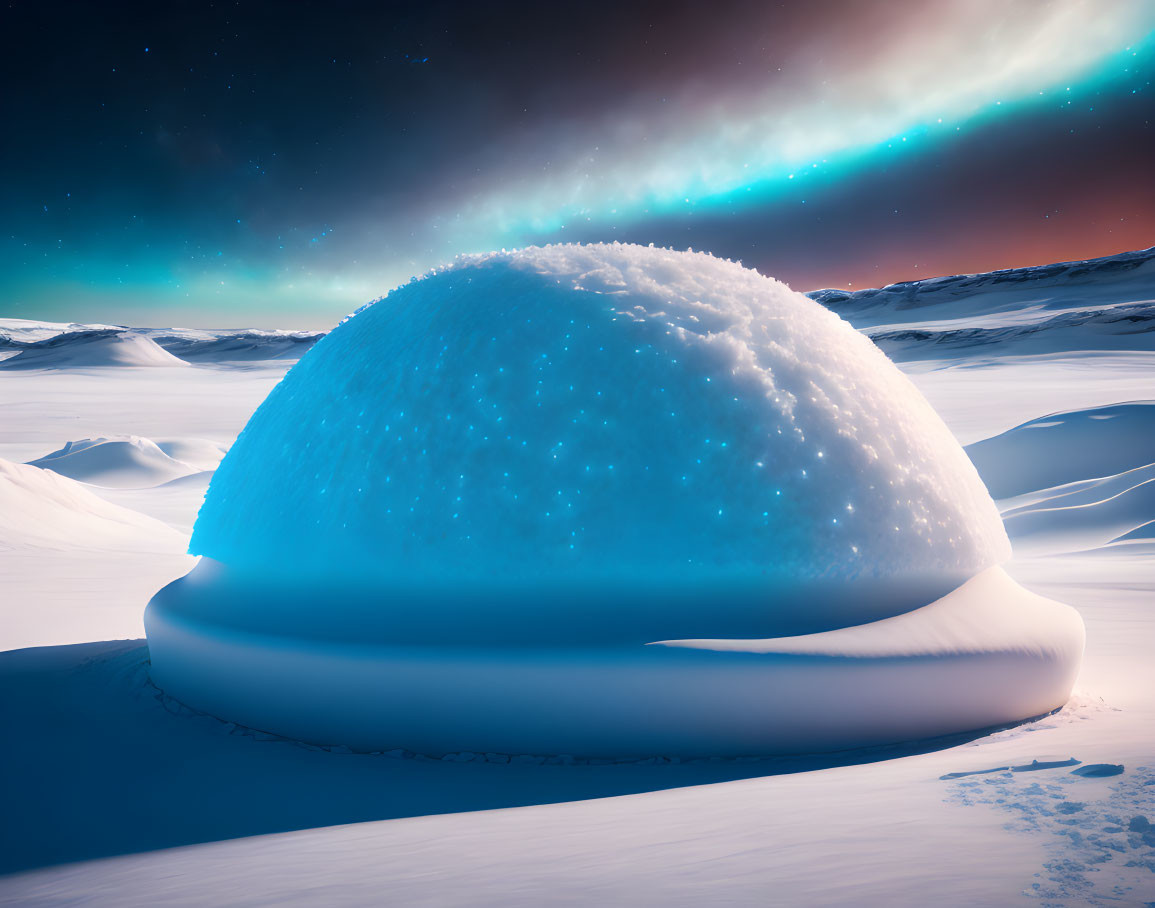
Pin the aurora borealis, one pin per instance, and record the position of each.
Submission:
(279, 164)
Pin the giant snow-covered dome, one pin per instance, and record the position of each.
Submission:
(578, 446)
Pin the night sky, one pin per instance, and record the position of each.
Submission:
(278, 164)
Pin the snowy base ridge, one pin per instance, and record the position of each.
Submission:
(988, 654)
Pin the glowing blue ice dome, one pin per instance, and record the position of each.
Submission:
(585, 438)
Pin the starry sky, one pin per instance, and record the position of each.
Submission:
(274, 164)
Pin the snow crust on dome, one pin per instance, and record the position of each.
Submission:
(576, 419)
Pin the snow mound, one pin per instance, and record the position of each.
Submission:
(97, 347)
(42, 509)
(506, 478)
(127, 461)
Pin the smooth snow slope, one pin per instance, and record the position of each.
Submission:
(1090, 444)
(43, 509)
(60, 545)
(574, 452)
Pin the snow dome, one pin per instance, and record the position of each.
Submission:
(589, 499)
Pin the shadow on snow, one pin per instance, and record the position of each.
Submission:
(99, 763)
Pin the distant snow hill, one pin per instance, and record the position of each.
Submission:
(1128, 326)
(26, 344)
(131, 462)
(1124, 278)
(1106, 303)
(1099, 304)
(15, 332)
(1075, 481)
(236, 346)
(89, 347)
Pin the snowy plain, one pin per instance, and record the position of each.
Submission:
(116, 795)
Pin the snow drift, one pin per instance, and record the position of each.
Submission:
(510, 476)
(127, 461)
(1096, 442)
(1099, 491)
